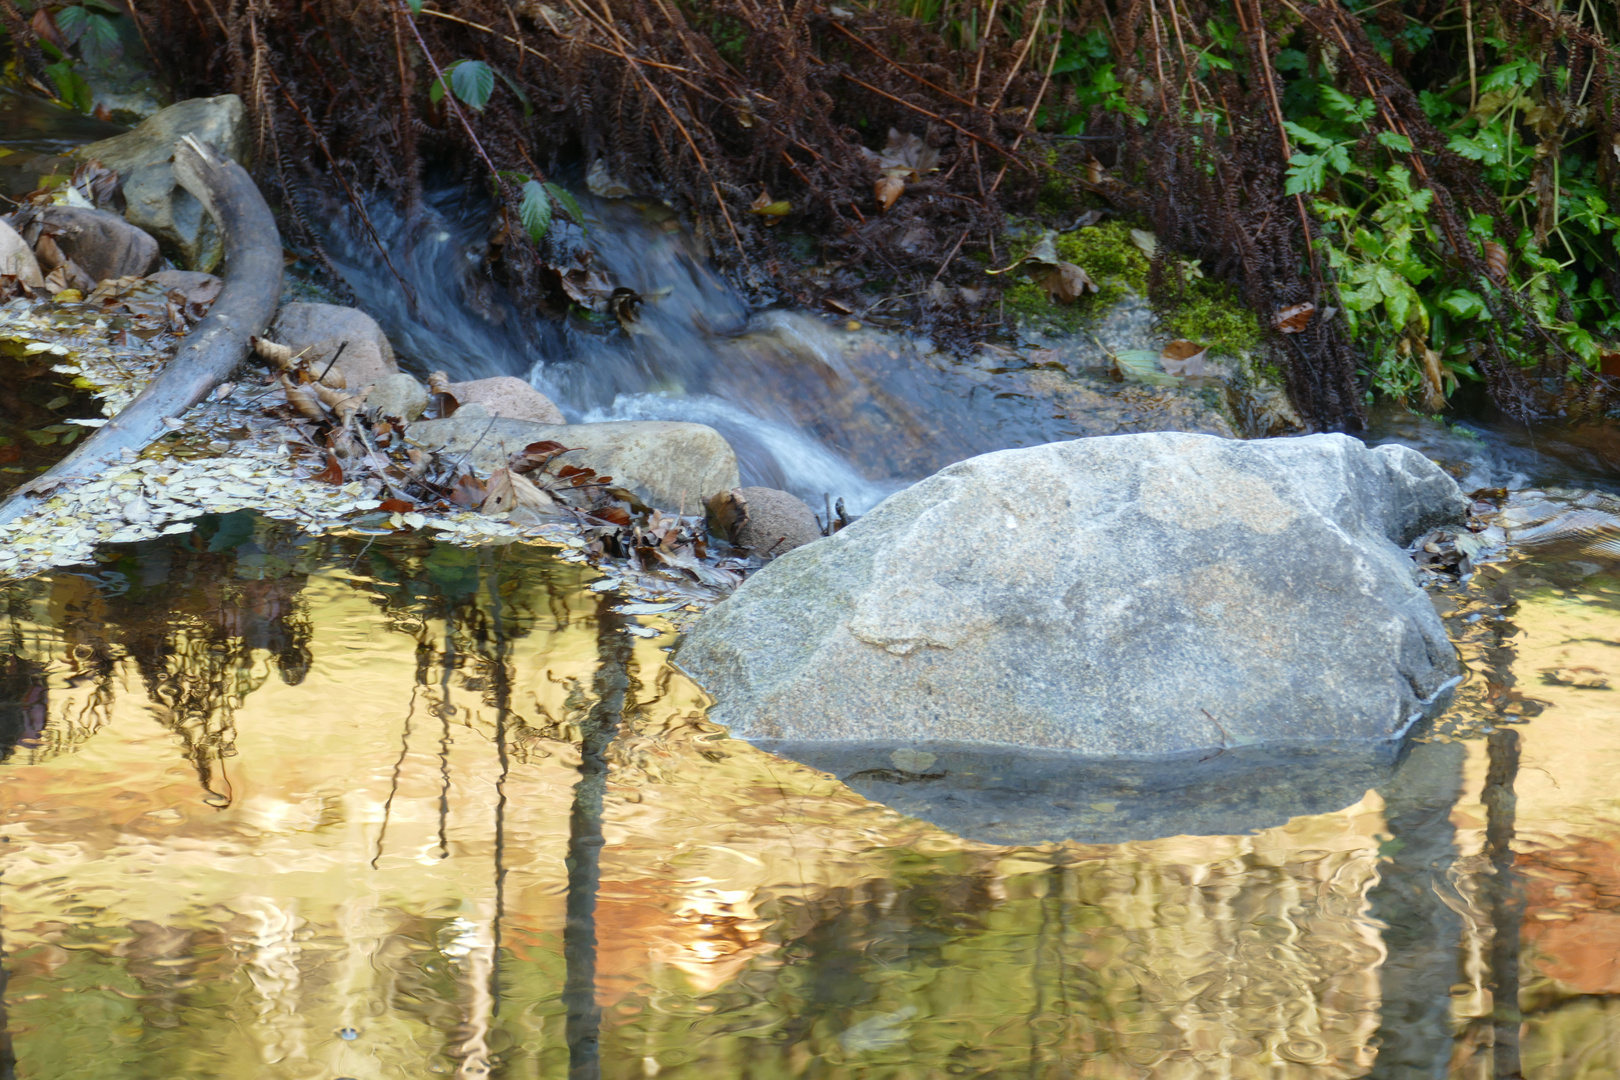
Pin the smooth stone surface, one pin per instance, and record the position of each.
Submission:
(193, 283)
(507, 395)
(219, 121)
(300, 325)
(777, 522)
(1126, 596)
(17, 258)
(670, 465)
(157, 204)
(102, 243)
(360, 363)
(398, 395)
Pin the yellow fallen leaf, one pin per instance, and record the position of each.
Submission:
(888, 189)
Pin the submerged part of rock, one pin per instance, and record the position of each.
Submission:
(1138, 595)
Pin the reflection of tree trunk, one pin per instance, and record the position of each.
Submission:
(585, 844)
(1420, 931)
(8, 1059)
(1506, 900)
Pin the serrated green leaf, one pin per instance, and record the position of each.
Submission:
(1464, 304)
(535, 210)
(473, 82)
(1306, 172)
(71, 21)
(565, 199)
(1395, 141)
(1307, 136)
(517, 92)
(100, 37)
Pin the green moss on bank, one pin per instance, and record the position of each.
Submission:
(1209, 312)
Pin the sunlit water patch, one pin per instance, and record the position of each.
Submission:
(317, 809)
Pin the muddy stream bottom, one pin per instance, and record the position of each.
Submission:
(279, 807)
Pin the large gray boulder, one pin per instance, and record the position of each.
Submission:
(1124, 596)
(154, 200)
(670, 465)
(317, 330)
(507, 395)
(220, 121)
(101, 243)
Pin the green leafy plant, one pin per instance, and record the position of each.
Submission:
(537, 200)
(472, 82)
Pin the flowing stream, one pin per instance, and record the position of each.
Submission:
(281, 807)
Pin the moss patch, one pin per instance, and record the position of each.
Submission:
(1106, 254)
(1208, 312)
(1211, 314)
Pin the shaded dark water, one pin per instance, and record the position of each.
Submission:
(280, 807)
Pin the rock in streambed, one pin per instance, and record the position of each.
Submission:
(154, 199)
(1132, 595)
(670, 465)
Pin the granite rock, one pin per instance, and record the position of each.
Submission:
(777, 522)
(299, 325)
(103, 244)
(398, 395)
(666, 464)
(219, 121)
(156, 203)
(507, 395)
(1132, 595)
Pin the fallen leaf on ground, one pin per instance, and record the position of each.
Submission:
(1145, 241)
(1294, 320)
(514, 493)
(888, 189)
(906, 157)
(1183, 357)
(772, 210)
(1142, 365)
(1066, 282)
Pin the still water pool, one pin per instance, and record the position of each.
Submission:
(292, 808)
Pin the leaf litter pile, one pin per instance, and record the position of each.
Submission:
(300, 449)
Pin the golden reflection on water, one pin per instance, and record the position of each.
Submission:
(287, 810)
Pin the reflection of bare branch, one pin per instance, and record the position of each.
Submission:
(1506, 901)
(611, 687)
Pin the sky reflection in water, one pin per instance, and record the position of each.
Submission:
(285, 808)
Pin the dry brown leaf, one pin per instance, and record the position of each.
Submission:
(303, 400)
(1496, 261)
(278, 354)
(888, 189)
(1434, 392)
(333, 473)
(439, 387)
(535, 456)
(68, 276)
(1066, 282)
(1183, 357)
(47, 253)
(1294, 320)
(342, 403)
(727, 514)
(906, 157)
(514, 493)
